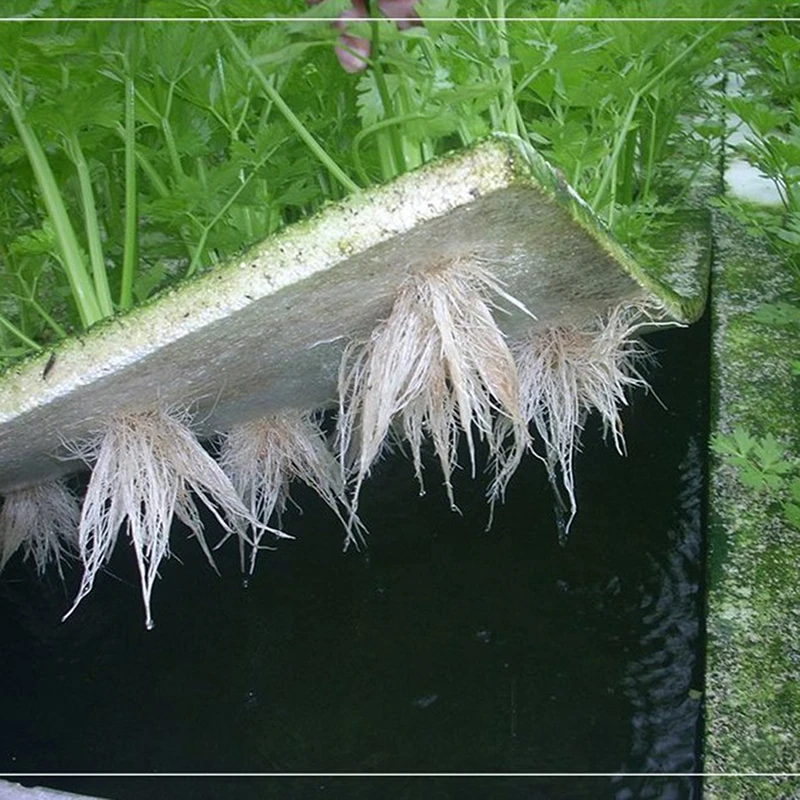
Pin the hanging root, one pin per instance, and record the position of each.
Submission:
(145, 467)
(263, 457)
(438, 365)
(43, 521)
(566, 372)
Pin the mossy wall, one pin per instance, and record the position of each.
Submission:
(753, 617)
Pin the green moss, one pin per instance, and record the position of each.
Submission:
(753, 617)
(677, 254)
(753, 788)
(677, 272)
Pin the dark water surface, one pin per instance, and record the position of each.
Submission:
(443, 648)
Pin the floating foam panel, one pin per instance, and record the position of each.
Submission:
(266, 331)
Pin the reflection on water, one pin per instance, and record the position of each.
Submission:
(664, 684)
(443, 649)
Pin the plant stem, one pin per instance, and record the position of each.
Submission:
(80, 284)
(488, 74)
(637, 96)
(287, 112)
(149, 170)
(162, 190)
(10, 326)
(651, 151)
(231, 200)
(129, 253)
(60, 332)
(395, 139)
(92, 228)
(172, 148)
(615, 154)
(627, 167)
(386, 158)
(226, 104)
(508, 114)
(376, 128)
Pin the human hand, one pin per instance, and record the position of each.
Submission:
(353, 51)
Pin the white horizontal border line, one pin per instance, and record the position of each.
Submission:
(400, 19)
(17, 775)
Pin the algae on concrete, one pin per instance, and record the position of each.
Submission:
(753, 614)
(756, 787)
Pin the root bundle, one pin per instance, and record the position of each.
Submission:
(42, 521)
(438, 365)
(263, 457)
(565, 373)
(145, 467)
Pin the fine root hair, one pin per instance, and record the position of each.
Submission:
(146, 467)
(567, 372)
(42, 522)
(264, 456)
(438, 366)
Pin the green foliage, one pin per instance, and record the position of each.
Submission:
(771, 110)
(763, 464)
(166, 147)
(768, 62)
(780, 314)
(775, 147)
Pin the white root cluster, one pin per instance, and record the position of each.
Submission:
(264, 456)
(437, 366)
(566, 372)
(42, 522)
(146, 467)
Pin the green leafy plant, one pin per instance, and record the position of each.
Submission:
(765, 465)
(780, 314)
(762, 462)
(767, 61)
(770, 70)
(135, 155)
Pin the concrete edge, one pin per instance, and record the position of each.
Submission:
(752, 694)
